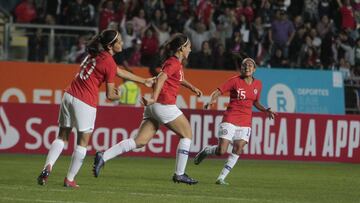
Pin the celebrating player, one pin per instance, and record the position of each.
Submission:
(236, 124)
(78, 106)
(161, 109)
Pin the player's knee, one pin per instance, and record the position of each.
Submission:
(64, 138)
(83, 139)
(83, 143)
(140, 144)
(220, 151)
(237, 150)
(186, 135)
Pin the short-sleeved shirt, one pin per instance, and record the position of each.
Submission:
(242, 98)
(174, 70)
(281, 31)
(93, 72)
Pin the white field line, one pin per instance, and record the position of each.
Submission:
(8, 199)
(203, 197)
(20, 188)
(131, 193)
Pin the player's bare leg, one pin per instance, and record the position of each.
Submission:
(218, 150)
(147, 130)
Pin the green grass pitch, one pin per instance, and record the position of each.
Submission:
(128, 179)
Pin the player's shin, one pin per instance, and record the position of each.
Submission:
(54, 152)
(182, 155)
(76, 162)
(230, 163)
(120, 148)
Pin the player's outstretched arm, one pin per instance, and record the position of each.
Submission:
(159, 83)
(130, 76)
(269, 113)
(112, 93)
(214, 96)
(191, 87)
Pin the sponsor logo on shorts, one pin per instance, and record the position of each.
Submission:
(223, 131)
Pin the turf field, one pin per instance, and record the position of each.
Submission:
(148, 180)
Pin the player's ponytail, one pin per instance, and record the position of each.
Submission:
(93, 45)
(105, 38)
(174, 44)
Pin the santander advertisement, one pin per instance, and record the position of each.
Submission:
(30, 129)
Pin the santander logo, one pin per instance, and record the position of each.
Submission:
(9, 136)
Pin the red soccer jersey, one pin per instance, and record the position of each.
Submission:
(174, 70)
(93, 72)
(242, 98)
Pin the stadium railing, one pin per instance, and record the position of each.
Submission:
(5, 17)
(45, 43)
(352, 95)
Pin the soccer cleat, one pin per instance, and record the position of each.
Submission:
(184, 179)
(72, 184)
(42, 179)
(221, 182)
(200, 156)
(98, 163)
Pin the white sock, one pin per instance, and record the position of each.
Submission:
(211, 150)
(54, 152)
(76, 162)
(119, 148)
(231, 161)
(182, 154)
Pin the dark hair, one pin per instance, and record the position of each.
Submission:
(171, 46)
(243, 62)
(238, 58)
(105, 38)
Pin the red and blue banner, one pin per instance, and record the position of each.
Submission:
(30, 129)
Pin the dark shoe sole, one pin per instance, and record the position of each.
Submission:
(189, 183)
(41, 181)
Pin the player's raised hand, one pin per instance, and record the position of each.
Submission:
(270, 114)
(147, 101)
(207, 106)
(149, 82)
(198, 92)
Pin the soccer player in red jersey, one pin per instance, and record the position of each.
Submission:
(161, 109)
(236, 124)
(78, 106)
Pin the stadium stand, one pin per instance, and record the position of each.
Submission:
(310, 34)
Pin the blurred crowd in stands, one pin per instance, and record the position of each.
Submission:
(311, 34)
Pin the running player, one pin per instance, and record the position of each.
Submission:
(236, 124)
(161, 109)
(78, 106)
